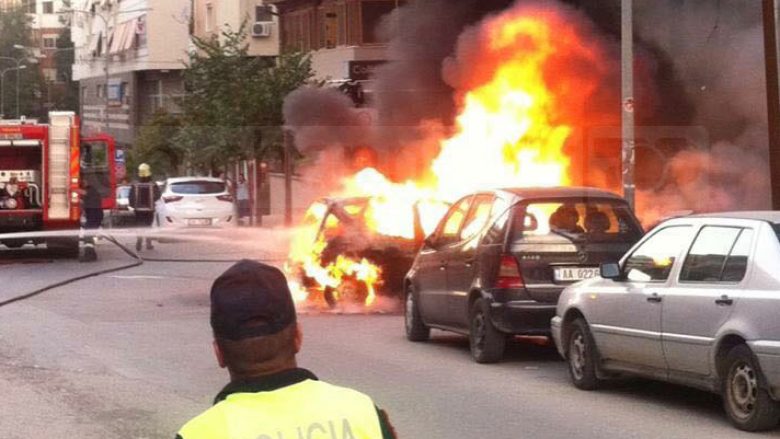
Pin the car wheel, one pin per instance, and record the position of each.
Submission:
(63, 247)
(487, 343)
(745, 398)
(415, 328)
(14, 243)
(581, 355)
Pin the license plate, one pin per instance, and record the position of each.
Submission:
(199, 222)
(570, 274)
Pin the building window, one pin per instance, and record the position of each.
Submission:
(50, 75)
(210, 20)
(372, 12)
(50, 42)
(48, 7)
(264, 14)
(140, 32)
(101, 90)
(29, 6)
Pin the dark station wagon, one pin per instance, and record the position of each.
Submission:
(498, 261)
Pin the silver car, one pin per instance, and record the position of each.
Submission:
(695, 302)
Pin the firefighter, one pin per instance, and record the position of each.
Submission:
(92, 203)
(143, 194)
(256, 337)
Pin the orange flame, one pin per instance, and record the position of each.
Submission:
(511, 130)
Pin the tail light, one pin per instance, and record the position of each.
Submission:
(228, 198)
(172, 199)
(509, 275)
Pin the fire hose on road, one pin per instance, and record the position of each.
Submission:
(137, 263)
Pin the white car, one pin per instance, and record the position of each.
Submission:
(695, 302)
(195, 202)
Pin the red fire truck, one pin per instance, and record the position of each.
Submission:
(42, 167)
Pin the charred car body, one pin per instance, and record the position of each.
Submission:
(344, 230)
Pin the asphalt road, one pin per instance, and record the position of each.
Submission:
(128, 355)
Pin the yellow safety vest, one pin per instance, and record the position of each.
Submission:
(307, 410)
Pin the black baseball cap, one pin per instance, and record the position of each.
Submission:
(250, 299)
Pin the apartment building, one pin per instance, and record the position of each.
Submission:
(341, 34)
(129, 58)
(47, 26)
(210, 17)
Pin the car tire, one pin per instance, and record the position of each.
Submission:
(413, 323)
(486, 342)
(63, 247)
(582, 356)
(745, 398)
(14, 243)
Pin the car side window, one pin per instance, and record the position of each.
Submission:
(478, 216)
(450, 227)
(654, 259)
(707, 257)
(737, 263)
(497, 232)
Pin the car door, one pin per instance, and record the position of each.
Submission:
(462, 258)
(625, 314)
(431, 276)
(698, 304)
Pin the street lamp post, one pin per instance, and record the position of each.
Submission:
(2, 87)
(18, 62)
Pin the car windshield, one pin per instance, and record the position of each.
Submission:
(575, 220)
(197, 187)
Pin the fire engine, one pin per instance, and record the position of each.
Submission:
(42, 167)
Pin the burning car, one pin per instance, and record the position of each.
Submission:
(343, 258)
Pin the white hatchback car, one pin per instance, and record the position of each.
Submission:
(195, 202)
(695, 302)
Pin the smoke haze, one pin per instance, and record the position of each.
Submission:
(699, 63)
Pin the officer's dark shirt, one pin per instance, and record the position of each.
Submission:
(284, 379)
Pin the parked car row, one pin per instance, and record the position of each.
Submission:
(693, 302)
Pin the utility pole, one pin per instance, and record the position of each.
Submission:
(773, 98)
(627, 59)
(288, 171)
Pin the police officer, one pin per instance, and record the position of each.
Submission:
(256, 337)
(143, 194)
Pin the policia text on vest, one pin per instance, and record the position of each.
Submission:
(289, 405)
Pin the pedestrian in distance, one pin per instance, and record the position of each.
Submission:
(92, 204)
(144, 193)
(242, 197)
(257, 337)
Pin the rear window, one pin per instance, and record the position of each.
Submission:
(575, 220)
(198, 187)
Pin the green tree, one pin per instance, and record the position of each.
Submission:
(64, 58)
(233, 105)
(156, 145)
(15, 31)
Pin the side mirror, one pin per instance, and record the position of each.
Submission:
(611, 270)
